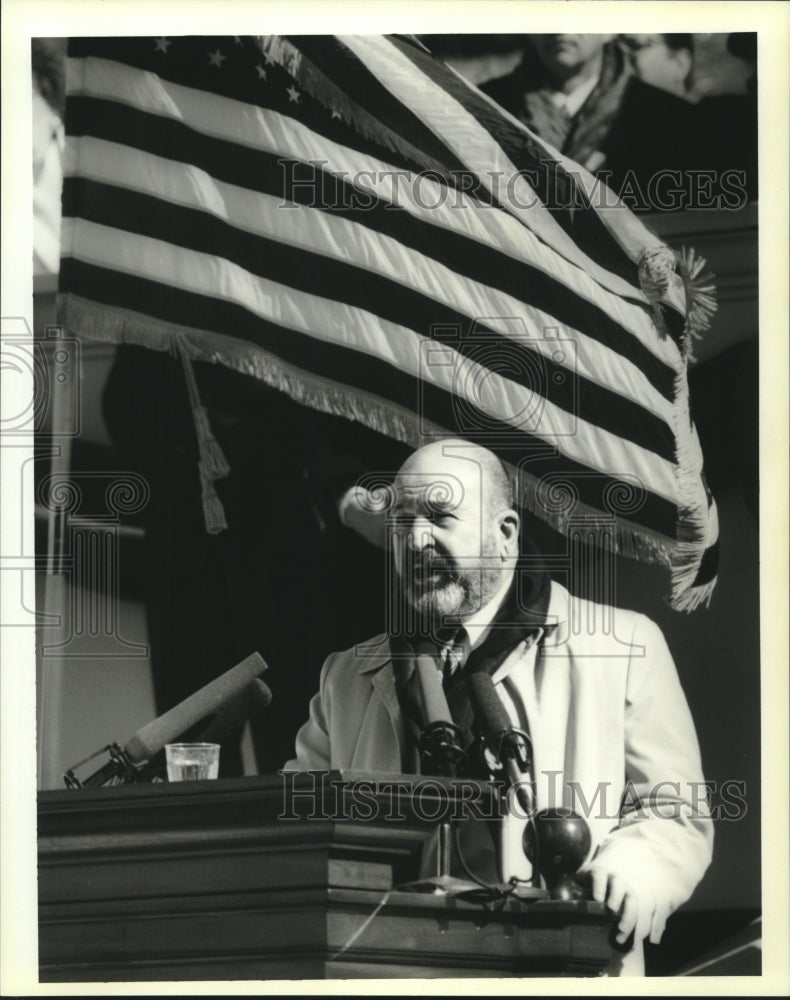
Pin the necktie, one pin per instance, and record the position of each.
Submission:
(452, 650)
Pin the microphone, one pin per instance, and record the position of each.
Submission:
(440, 742)
(230, 716)
(211, 714)
(434, 701)
(509, 745)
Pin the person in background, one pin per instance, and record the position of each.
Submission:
(727, 122)
(582, 94)
(665, 61)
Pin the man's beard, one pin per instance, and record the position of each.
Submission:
(437, 587)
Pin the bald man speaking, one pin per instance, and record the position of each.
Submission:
(611, 733)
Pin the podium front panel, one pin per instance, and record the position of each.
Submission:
(278, 878)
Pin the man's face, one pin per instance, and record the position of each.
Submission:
(446, 543)
(563, 56)
(658, 64)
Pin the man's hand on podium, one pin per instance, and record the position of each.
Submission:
(640, 913)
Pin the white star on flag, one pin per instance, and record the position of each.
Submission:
(161, 44)
(261, 72)
(336, 113)
(216, 59)
(293, 94)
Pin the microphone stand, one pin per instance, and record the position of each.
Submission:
(511, 749)
(440, 749)
(120, 769)
(440, 754)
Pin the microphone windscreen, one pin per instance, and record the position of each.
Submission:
(231, 715)
(434, 701)
(507, 743)
(487, 705)
(206, 702)
(260, 694)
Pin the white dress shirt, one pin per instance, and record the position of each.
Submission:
(573, 101)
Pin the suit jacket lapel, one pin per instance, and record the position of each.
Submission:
(379, 745)
(384, 685)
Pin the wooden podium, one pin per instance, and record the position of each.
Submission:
(279, 878)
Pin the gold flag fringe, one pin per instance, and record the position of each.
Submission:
(680, 558)
(659, 265)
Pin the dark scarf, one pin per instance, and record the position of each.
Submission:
(522, 612)
(584, 134)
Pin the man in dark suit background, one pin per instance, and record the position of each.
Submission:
(582, 94)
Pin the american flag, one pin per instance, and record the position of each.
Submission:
(352, 222)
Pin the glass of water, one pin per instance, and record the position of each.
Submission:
(192, 761)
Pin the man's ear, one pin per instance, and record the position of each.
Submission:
(684, 60)
(508, 532)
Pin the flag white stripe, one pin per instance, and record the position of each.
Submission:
(341, 239)
(362, 331)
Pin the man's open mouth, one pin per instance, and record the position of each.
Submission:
(432, 575)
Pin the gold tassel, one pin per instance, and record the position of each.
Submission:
(213, 464)
(701, 301)
(211, 454)
(213, 511)
(657, 267)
